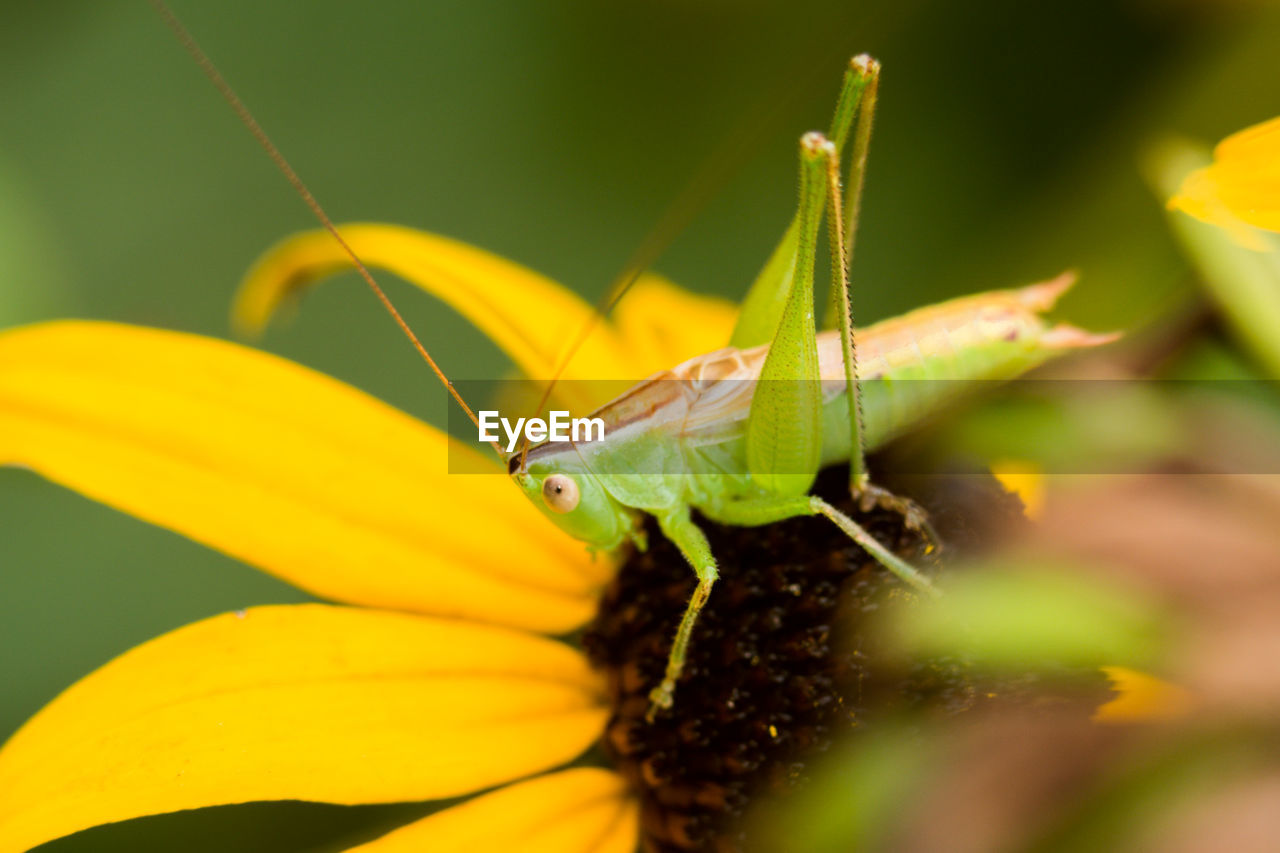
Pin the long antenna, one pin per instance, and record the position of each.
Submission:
(712, 173)
(220, 83)
(615, 293)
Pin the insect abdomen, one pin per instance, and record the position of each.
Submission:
(913, 365)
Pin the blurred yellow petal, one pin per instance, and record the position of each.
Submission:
(662, 324)
(584, 810)
(308, 702)
(1257, 147)
(530, 317)
(1025, 480)
(1203, 196)
(286, 469)
(1242, 186)
(1141, 698)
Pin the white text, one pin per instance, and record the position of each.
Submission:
(560, 427)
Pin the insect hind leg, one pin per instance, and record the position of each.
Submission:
(855, 115)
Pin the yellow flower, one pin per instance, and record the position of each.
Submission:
(434, 681)
(1241, 187)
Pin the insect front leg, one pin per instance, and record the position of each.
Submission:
(692, 542)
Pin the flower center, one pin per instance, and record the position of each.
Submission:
(779, 665)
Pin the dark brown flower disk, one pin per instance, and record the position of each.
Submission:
(779, 667)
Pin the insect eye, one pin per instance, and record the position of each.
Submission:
(560, 493)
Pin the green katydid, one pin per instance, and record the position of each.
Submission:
(739, 434)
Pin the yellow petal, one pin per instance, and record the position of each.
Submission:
(286, 469)
(309, 702)
(1203, 195)
(1141, 697)
(1025, 480)
(584, 810)
(663, 325)
(1242, 186)
(531, 318)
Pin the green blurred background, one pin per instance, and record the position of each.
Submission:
(554, 133)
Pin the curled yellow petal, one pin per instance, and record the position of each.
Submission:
(286, 469)
(531, 318)
(1241, 188)
(309, 702)
(1141, 697)
(584, 810)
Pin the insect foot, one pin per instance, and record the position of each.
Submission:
(661, 698)
(870, 497)
(782, 664)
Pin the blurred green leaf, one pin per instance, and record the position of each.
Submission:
(1023, 615)
(1072, 427)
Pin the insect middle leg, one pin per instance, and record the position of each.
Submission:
(755, 512)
